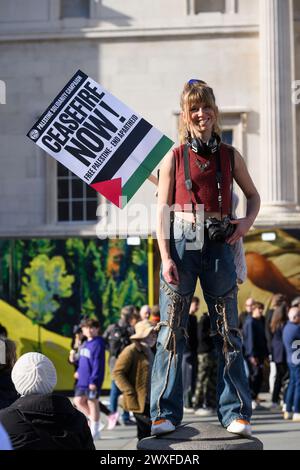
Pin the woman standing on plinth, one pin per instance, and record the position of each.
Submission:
(200, 172)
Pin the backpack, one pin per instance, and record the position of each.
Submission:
(118, 339)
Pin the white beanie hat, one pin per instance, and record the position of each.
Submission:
(34, 373)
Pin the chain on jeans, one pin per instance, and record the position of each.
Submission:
(178, 305)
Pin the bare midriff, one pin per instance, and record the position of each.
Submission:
(189, 216)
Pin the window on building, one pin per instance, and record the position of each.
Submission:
(75, 8)
(227, 136)
(209, 6)
(76, 201)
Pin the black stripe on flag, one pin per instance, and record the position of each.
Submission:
(122, 153)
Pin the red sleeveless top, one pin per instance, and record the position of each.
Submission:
(204, 182)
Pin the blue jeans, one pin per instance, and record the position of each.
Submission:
(115, 392)
(214, 265)
(292, 397)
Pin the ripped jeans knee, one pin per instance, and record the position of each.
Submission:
(224, 322)
(172, 327)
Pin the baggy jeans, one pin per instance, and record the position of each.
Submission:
(213, 263)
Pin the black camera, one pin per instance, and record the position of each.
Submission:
(219, 230)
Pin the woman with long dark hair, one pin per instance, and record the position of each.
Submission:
(279, 319)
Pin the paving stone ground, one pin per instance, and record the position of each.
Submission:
(268, 426)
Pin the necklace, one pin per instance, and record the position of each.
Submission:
(202, 166)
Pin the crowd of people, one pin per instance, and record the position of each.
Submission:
(271, 349)
(33, 416)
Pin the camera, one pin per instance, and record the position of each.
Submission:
(219, 230)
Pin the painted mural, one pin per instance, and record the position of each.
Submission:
(273, 267)
(47, 285)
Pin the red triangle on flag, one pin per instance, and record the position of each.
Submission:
(111, 189)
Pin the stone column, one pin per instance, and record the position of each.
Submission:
(278, 170)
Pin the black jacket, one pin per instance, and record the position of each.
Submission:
(268, 332)
(192, 343)
(255, 343)
(44, 422)
(278, 349)
(205, 341)
(8, 392)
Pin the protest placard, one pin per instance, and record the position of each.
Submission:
(95, 135)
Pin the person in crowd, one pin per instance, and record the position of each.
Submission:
(5, 443)
(90, 375)
(247, 312)
(291, 341)
(279, 319)
(277, 301)
(190, 175)
(145, 312)
(41, 419)
(132, 373)
(8, 393)
(3, 331)
(296, 302)
(205, 394)
(74, 355)
(256, 351)
(117, 337)
(155, 315)
(189, 360)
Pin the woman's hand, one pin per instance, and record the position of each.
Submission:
(242, 227)
(170, 272)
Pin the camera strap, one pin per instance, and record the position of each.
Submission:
(188, 181)
(189, 184)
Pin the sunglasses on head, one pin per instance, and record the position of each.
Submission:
(193, 81)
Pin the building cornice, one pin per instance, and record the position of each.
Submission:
(53, 34)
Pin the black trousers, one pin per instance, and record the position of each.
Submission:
(255, 377)
(282, 374)
(143, 423)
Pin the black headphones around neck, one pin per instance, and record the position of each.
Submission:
(206, 148)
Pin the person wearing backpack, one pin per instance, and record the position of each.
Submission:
(117, 337)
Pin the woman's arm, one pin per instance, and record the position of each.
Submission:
(243, 179)
(165, 196)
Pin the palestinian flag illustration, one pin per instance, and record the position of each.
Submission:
(100, 139)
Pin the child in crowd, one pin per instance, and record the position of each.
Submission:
(90, 374)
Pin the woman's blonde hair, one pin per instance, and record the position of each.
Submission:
(196, 91)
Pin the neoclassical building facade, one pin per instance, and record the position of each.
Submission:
(143, 51)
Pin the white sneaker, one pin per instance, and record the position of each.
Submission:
(96, 436)
(161, 426)
(254, 405)
(284, 407)
(204, 412)
(241, 427)
(287, 415)
(296, 417)
(112, 420)
(188, 410)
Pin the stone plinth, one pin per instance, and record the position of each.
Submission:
(200, 436)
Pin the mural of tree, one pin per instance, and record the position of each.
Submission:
(107, 274)
(129, 291)
(111, 303)
(45, 282)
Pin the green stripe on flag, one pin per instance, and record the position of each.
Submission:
(146, 167)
